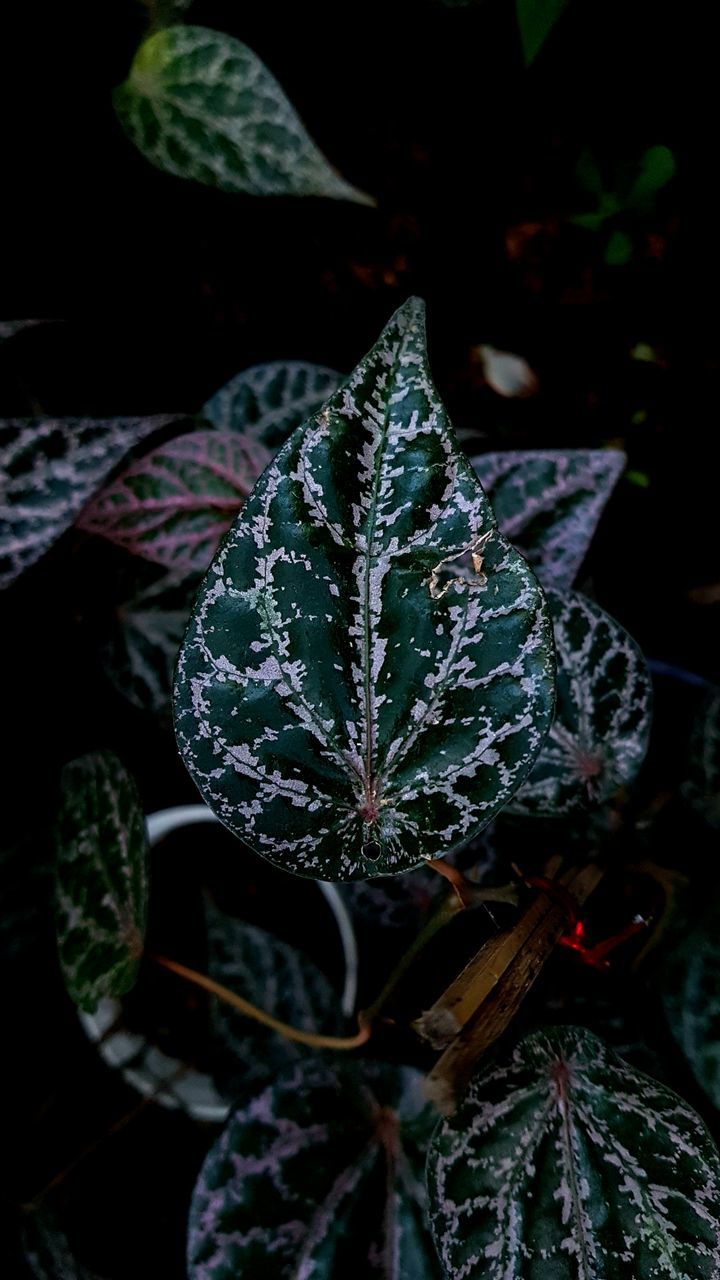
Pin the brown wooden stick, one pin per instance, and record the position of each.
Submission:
(493, 997)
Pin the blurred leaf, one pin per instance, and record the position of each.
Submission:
(320, 1175)
(701, 788)
(200, 104)
(563, 1161)
(102, 879)
(690, 987)
(619, 249)
(657, 168)
(139, 656)
(267, 401)
(536, 19)
(507, 374)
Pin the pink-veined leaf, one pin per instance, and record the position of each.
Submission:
(174, 505)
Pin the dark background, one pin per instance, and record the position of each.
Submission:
(162, 290)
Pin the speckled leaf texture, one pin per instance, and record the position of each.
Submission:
(564, 1163)
(200, 104)
(548, 503)
(140, 653)
(701, 787)
(102, 879)
(690, 988)
(317, 1178)
(173, 505)
(600, 732)
(49, 469)
(267, 401)
(368, 672)
(275, 977)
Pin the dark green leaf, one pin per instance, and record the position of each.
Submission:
(536, 19)
(200, 104)
(267, 401)
(657, 168)
(602, 720)
(701, 787)
(320, 1175)
(368, 672)
(619, 249)
(102, 879)
(562, 1162)
(691, 998)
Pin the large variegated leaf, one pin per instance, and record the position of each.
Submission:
(267, 401)
(564, 1162)
(276, 978)
(548, 503)
(368, 673)
(173, 505)
(319, 1176)
(602, 719)
(701, 787)
(49, 469)
(690, 986)
(140, 654)
(200, 104)
(102, 879)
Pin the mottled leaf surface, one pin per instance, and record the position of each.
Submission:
(46, 1252)
(701, 787)
(599, 736)
(548, 503)
(267, 401)
(49, 468)
(690, 986)
(368, 673)
(139, 656)
(318, 1176)
(200, 104)
(564, 1162)
(275, 977)
(173, 505)
(102, 879)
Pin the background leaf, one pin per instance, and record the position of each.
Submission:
(657, 168)
(102, 879)
(701, 787)
(563, 1161)
(690, 986)
(351, 695)
(267, 401)
(49, 468)
(602, 718)
(548, 503)
(200, 104)
(536, 19)
(320, 1175)
(278, 979)
(173, 505)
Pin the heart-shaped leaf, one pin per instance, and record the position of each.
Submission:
(548, 503)
(274, 977)
(563, 1161)
(102, 879)
(701, 787)
(368, 672)
(320, 1175)
(48, 470)
(691, 999)
(267, 401)
(173, 505)
(140, 654)
(200, 104)
(600, 732)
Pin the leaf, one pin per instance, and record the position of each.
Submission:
(320, 1175)
(267, 401)
(701, 787)
(564, 1162)
(173, 505)
(602, 719)
(351, 696)
(140, 655)
(49, 468)
(200, 104)
(8, 328)
(536, 19)
(657, 168)
(548, 503)
(690, 987)
(274, 977)
(102, 879)
(619, 249)
(508, 375)
(46, 1251)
